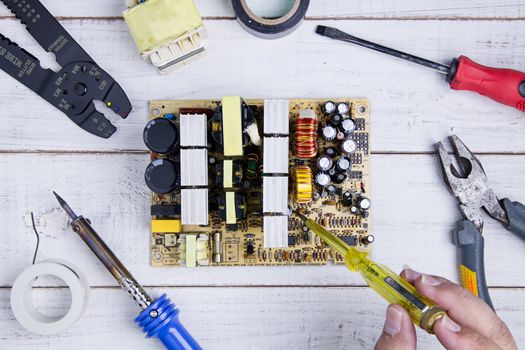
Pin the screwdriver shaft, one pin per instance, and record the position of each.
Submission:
(336, 34)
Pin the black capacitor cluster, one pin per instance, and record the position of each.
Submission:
(333, 165)
(161, 136)
(359, 204)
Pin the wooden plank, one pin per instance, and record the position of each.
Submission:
(462, 9)
(410, 109)
(239, 318)
(413, 216)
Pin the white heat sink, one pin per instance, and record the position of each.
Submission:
(275, 194)
(276, 117)
(194, 167)
(275, 157)
(193, 130)
(275, 231)
(194, 206)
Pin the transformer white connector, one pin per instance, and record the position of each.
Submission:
(179, 52)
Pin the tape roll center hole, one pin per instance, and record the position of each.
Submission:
(51, 303)
(270, 9)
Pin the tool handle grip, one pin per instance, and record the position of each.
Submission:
(161, 320)
(516, 215)
(505, 86)
(471, 246)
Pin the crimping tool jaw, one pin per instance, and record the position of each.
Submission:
(74, 89)
(117, 101)
(469, 184)
(94, 122)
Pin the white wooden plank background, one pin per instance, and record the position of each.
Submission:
(408, 107)
(265, 308)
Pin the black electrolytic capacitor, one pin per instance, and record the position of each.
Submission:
(324, 163)
(343, 164)
(338, 178)
(366, 240)
(347, 126)
(328, 132)
(343, 108)
(331, 151)
(347, 199)
(161, 135)
(363, 203)
(322, 179)
(328, 107)
(162, 176)
(348, 146)
(335, 120)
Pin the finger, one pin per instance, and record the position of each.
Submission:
(398, 332)
(454, 337)
(462, 306)
(410, 275)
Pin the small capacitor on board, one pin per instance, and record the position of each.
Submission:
(324, 163)
(347, 126)
(328, 107)
(348, 146)
(343, 164)
(322, 179)
(328, 132)
(343, 108)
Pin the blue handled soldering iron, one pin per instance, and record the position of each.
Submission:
(159, 318)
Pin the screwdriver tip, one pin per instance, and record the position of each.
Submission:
(321, 30)
(301, 216)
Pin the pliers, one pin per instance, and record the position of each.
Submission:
(80, 81)
(470, 186)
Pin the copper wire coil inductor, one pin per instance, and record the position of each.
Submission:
(306, 134)
(302, 184)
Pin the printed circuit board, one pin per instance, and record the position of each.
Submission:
(222, 180)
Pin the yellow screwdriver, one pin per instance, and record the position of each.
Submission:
(423, 311)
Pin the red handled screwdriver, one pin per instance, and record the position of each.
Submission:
(506, 86)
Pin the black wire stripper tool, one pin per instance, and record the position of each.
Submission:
(80, 81)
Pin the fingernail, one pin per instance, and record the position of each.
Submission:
(450, 325)
(393, 321)
(430, 281)
(411, 274)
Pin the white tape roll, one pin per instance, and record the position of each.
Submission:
(22, 300)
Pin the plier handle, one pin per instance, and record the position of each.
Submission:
(469, 184)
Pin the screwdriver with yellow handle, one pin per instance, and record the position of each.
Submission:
(423, 311)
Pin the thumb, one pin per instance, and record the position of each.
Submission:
(398, 331)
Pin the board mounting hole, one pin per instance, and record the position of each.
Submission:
(361, 109)
(155, 112)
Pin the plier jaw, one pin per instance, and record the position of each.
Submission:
(469, 184)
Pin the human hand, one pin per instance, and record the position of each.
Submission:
(469, 324)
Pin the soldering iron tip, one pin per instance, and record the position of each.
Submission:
(65, 206)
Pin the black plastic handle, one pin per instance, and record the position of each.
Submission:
(471, 246)
(516, 215)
